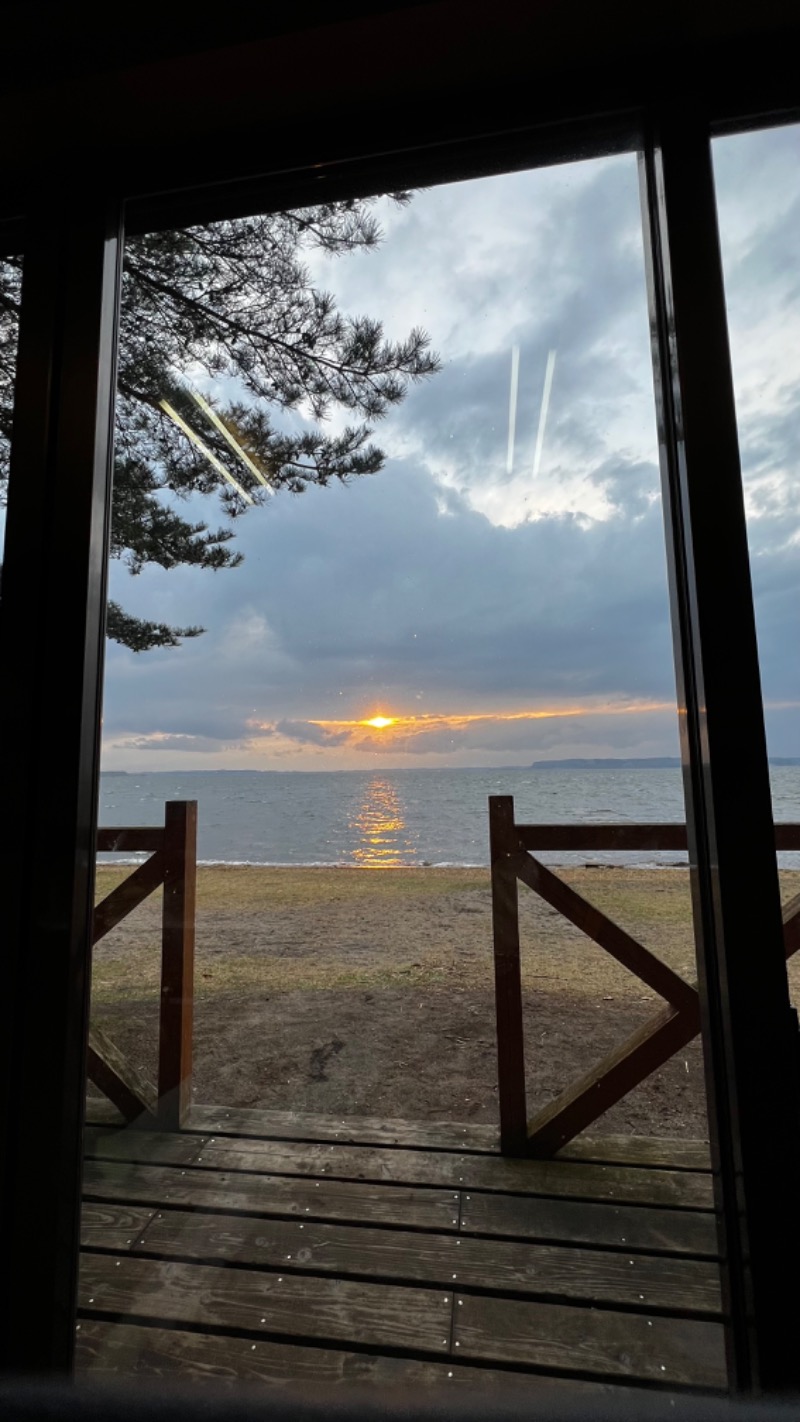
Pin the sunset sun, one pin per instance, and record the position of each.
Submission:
(380, 722)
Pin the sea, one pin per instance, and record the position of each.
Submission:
(398, 818)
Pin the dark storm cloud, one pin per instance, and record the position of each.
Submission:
(305, 732)
(372, 592)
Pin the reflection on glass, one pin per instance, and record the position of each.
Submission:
(379, 822)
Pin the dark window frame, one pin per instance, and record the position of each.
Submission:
(69, 300)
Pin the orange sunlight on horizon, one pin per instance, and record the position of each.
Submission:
(428, 721)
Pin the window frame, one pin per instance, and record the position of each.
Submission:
(61, 480)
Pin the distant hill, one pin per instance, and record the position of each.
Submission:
(653, 762)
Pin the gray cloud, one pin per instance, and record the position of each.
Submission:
(161, 743)
(440, 586)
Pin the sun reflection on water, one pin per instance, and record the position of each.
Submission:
(379, 822)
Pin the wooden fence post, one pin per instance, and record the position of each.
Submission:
(177, 964)
(508, 984)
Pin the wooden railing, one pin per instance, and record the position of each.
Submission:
(651, 1045)
(173, 863)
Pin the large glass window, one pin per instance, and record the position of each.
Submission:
(468, 601)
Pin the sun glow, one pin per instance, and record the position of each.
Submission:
(412, 725)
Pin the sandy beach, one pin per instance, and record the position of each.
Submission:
(368, 992)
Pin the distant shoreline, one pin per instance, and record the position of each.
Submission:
(665, 762)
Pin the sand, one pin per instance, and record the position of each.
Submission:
(367, 992)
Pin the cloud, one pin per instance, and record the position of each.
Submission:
(445, 589)
(159, 742)
(436, 735)
(303, 732)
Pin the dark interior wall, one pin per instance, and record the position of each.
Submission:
(170, 99)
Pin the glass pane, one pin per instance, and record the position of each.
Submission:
(469, 600)
(758, 191)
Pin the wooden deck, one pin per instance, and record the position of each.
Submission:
(270, 1247)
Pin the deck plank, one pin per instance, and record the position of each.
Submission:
(644, 1151)
(111, 1225)
(686, 1232)
(655, 1152)
(108, 1349)
(658, 1153)
(574, 1179)
(591, 1275)
(681, 1232)
(266, 1195)
(336, 1310)
(170, 1149)
(661, 1152)
(668, 1350)
(356, 1130)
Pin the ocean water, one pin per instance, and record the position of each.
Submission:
(395, 818)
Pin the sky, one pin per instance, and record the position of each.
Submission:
(497, 593)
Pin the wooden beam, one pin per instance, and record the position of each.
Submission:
(628, 1065)
(618, 1073)
(603, 931)
(112, 1074)
(611, 837)
(127, 896)
(626, 837)
(790, 917)
(507, 979)
(177, 964)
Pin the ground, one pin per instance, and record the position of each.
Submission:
(370, 992)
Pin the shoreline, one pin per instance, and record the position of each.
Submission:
(108, 861)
